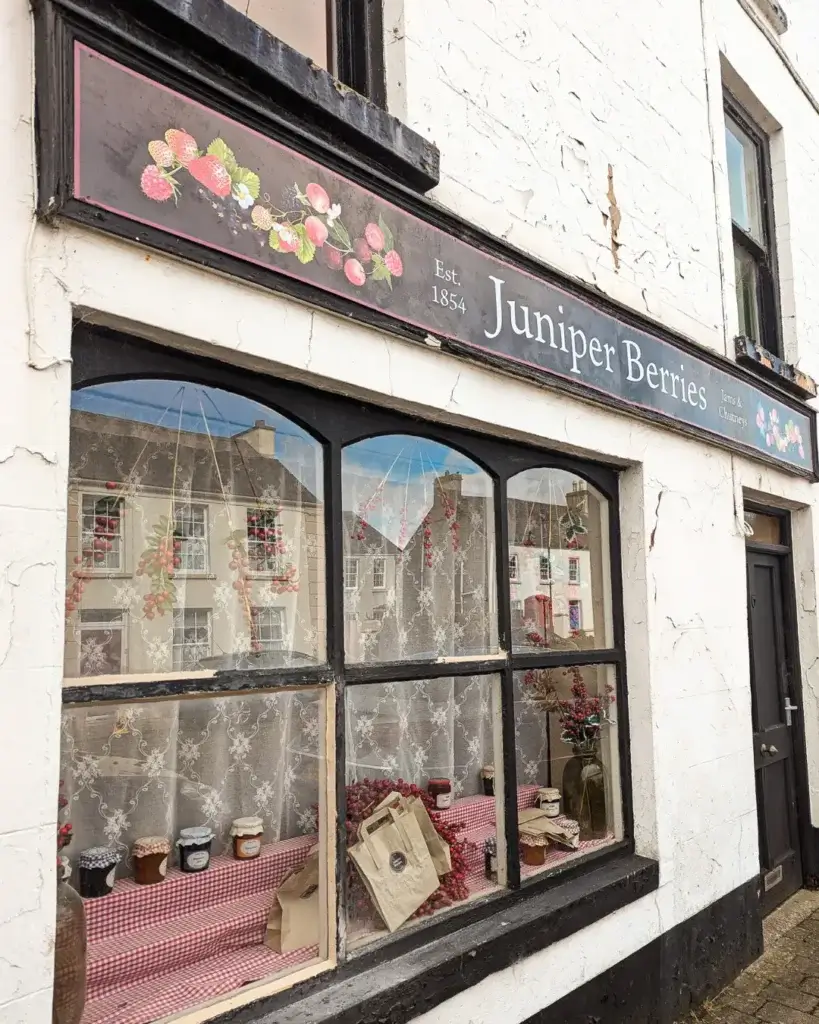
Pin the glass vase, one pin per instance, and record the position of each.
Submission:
(69, 957)
(584, 792)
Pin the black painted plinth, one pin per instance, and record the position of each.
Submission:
(662, 981)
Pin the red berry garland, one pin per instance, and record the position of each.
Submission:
(362, 799)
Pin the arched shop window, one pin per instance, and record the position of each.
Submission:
(286, 609)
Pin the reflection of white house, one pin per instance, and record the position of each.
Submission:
(244, 569)
(558, 568)
(553, 588)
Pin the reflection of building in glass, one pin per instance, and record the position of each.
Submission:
(556, 549)
(186, 549)
(433, 595)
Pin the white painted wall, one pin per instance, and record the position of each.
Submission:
(530, 102)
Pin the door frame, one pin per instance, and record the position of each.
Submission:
(809, 844)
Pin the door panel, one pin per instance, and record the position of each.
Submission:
(781, 866)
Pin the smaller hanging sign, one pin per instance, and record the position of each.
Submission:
(147, 153)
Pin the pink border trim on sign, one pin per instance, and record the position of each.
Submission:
(683, 425)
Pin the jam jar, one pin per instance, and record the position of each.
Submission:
(98, 867)
(488, 779)
(441, 792)
(548, 800)
(247, 837)
(490, 859)
(151, 859)
(533, 850)
(194, 848)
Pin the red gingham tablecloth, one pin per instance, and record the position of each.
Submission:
(155, 950)
(131, 907)
(159, 997)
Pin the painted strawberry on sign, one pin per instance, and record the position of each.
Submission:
(216, 169)
(310, 222)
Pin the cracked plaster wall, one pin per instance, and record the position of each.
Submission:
(530, 109)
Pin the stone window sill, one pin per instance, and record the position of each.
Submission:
(394, 983)
(233, 55)
(759, 359)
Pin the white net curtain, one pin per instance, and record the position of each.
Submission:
(151, 768)
(196, 542)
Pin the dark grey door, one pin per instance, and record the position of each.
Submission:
(781, 864)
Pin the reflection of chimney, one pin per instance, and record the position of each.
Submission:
(261, 437)
(451, 484)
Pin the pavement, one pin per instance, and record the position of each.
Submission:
(782, 986)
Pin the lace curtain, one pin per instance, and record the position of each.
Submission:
(419, 546)
(431, 728)
(196, 540)
(152, 768)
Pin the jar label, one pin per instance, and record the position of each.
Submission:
(109, 878)
(493, 865)
(198, 860)
(163, 867)
(443, 800)
(250, 847)
(551, 808)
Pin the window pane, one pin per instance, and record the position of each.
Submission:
(424, 514)
(150, 769)
(304, 26)
(558, 533)
(439, 738)
(766, 529)
(747, 278)
(189, 509)
(568, 764)
(744, 180)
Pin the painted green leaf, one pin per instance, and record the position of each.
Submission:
(306, 250)
(220, 149)
(381, 272)
(273, 241)
(248, 178)
(341, 235)
(389, 241)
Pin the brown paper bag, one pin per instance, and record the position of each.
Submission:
(294, 917)
(438, 848)
(394, 864)
(562, 832)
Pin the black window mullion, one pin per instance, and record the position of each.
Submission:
(545, 659)
(509, 751)
(233, 682)
(756, 250)
(334, 546)
(408, 671)
(510, 779)
(359, 45)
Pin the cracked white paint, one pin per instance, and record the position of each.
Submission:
(530, 102)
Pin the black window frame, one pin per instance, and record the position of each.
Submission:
(356, 37)
(763, 254)
(209, 50)
(102, 355)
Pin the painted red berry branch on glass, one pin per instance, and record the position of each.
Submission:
(311, 223)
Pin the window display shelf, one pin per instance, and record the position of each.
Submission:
(131, 907)
(159, 997)
(154, 950)
(140, 938)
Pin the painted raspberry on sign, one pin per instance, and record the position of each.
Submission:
(301, 223)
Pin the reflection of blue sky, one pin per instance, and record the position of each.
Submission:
(204, 409)
(546, 486)
(407, 470)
